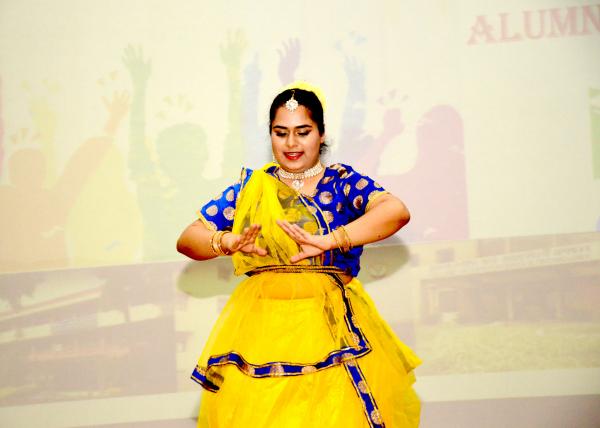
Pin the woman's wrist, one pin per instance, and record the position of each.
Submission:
(216, 243)
(339, 239)
(345, 241)
(331, 241)
(226, 243)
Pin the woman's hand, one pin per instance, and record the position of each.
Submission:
(244, 242)
(310, 245)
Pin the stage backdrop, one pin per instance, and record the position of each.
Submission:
(119, 119)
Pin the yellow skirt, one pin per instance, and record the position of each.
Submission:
(305, 350)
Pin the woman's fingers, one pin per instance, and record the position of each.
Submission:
(301, 233)
(260, 251)
(298, 257)
(294, 231)
(235, 243)
(255, 231)
(249, 234)
(248, 238)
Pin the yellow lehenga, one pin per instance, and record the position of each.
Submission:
(295, 346)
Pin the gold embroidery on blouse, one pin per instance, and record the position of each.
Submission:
(326, 198)
(361, 184)
(212, 210)
(228, 213)
(358, 201)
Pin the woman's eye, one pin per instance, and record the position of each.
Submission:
(280, 134)
(303, 134)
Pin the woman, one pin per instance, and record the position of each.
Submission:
(299, 343)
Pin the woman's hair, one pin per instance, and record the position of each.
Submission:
(305, 98)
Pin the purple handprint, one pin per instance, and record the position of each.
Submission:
(289, 59)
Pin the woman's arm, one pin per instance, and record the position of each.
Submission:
(195, 241)
(384, 216)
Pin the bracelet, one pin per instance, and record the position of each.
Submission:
(212, 243)
(220, 244)
(336, 239)
(347, 241)
(216, 245)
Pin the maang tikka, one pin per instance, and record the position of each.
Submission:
(291, 104)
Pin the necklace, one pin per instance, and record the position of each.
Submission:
(299, 177)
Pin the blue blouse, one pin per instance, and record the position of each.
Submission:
(341, 196)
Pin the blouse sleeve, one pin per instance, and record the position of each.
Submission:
(360, 190)
(218, 213)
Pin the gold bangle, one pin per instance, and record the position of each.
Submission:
(212, 244)
(347, 241)
(336, 239)
(220, 244)
(215, 243)
(216, 240)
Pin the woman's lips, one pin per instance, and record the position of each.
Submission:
(292, 155)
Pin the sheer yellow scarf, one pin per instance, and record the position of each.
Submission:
(264, 200)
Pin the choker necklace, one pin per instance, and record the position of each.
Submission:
(299, 177)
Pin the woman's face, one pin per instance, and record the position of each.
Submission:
(295, 139)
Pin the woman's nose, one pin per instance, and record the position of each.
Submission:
(290, 141)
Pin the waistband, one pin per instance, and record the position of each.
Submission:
(331, 270)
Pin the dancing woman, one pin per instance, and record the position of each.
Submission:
(300, 343)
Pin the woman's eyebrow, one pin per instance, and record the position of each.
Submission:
(303, 126)
(286, 128)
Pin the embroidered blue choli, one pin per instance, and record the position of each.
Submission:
(341, 196)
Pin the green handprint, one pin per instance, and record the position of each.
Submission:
(232, 50)
(139, 69)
